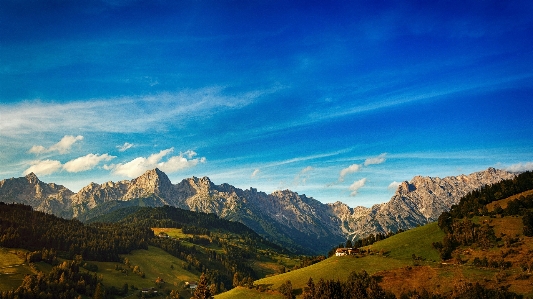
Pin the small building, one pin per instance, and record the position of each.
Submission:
(346, 251)
(341, 252)
(192, 285)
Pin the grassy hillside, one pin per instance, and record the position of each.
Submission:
(154, 262)
(399, 272)
(503, 202)
(398, 251)
(331, 268)
(414, 241)
(12, 269)
(245, 293)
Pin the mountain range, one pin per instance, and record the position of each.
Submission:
(297, 222)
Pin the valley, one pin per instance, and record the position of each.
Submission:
(481, 246)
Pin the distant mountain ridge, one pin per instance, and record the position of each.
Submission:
(297, 222)
(416, 202)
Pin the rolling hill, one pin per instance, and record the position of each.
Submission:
(410, 263)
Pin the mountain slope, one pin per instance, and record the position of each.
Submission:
(49, 198)
(297, 222)
(417, 202)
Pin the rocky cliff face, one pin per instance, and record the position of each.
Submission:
(29, 190)
(416, 202)
(153, 184)
(284, 217)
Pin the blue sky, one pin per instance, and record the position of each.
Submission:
(338, 100)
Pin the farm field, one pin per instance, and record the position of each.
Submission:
(12, 269)
(154, 263)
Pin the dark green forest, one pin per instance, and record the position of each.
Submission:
(51, 239)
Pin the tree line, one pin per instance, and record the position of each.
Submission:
(460, 230)
(474, 203)
(21, 227)
(63, 281)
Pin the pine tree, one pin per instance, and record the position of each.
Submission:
(309, 290)
(236, 279)
(202, 290)
(286, 290)
(98, 292)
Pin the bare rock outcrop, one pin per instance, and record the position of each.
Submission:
(49, 198)
(416, 202)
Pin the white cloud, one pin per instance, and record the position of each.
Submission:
(356, 186)
(306, 170)
(86, 162)
(177, 163)
(376, 160)
(122, 114)
(138, 166)
(124, 147)
(43, 167)
(255, 173)
(393, 186)
(190, 154)
(302, 177)
(350, 169)
(37, 149)
(520, 167)
(63, 146)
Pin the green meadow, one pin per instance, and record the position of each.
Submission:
(417, 241)
(154, 262)
(12, 269)
(397, 253)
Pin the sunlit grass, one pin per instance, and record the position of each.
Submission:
(12, 268)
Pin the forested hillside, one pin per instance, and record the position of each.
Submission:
(227, 253)
(21, 227)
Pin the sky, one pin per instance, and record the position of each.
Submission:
(338, 100)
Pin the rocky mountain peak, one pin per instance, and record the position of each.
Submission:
(151, 182)
(406, 187)
(202, 185)
(152, 177)
(32, 178)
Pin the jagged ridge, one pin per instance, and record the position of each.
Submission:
(295, 221)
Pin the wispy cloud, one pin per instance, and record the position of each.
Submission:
(63, 146)
(255, 173)
(376, 160)
(138, 166)
(87, 162)
(520, 167)
(43, 167)
(393, 186)
(124, 147)
(354, 188)
(348, 170)
(121, 115)
(302, 177)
